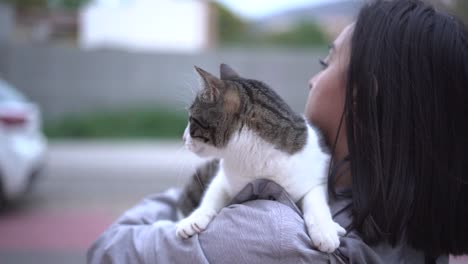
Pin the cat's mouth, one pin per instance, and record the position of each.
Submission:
(192, 146)
(195, 148)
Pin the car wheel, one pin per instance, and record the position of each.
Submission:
(33, 178)
(2, 195)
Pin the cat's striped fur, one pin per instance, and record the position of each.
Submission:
(194, 189)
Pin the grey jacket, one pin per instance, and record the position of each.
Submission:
(261, 225)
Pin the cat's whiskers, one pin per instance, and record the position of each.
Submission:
(182, 167)
(199, 181)
(183, 100)
(182, 96)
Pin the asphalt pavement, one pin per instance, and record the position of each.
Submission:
(84, 187)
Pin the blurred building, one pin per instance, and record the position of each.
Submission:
(37, 24)
(148, 25)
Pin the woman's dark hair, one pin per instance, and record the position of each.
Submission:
(406, 114)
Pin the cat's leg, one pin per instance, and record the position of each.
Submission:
(215, 198)
(323, 231)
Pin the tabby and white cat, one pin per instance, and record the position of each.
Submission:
(255, 134)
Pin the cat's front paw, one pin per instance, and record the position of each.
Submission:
(195, 223)
(325, 234)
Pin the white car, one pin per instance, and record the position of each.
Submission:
(22, 144)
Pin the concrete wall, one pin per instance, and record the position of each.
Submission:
(69, 80)
(7, 18)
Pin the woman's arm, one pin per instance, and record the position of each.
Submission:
(261, 225)
(146, 234)
(257, 231)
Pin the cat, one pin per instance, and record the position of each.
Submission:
(254, 134)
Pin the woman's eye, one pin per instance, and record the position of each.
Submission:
(323, 63)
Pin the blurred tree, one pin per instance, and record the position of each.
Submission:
(67, 4)
(304, 33)
(456, 7)
(230, 27)
(461, 10)
(26, 4)
(43, 4)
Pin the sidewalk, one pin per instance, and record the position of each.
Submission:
(145, 157)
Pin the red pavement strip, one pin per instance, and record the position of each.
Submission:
(50, 231)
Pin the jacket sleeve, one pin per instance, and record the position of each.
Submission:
(146, 234)
(262, 225)
(258, 231)
(249, 231)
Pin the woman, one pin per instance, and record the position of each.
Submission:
(391, 102)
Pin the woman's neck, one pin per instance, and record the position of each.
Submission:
(343, 172)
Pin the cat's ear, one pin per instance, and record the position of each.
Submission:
(227, 72)
(212, 84)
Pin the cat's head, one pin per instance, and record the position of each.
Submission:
(214, 115)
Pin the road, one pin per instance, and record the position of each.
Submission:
(85, 186)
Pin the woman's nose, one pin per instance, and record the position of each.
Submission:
(313, 81)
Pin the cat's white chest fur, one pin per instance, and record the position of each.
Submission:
(247, 157)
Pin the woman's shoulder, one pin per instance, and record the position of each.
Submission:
(259, 231)
(263, 225)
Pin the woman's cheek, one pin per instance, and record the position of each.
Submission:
(326, 100)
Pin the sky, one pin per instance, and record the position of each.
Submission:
(253, 9)
(249, 9)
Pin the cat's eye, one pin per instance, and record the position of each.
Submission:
(198, 122)
(323, 63)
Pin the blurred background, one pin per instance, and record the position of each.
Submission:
(93, 96)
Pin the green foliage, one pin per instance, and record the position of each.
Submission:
(25, 4)
(68, 4)
(28, 4)
(456, 7)
(302, 34)
(461, 9)
(233, 30)
(133, 123)
(230, 28)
